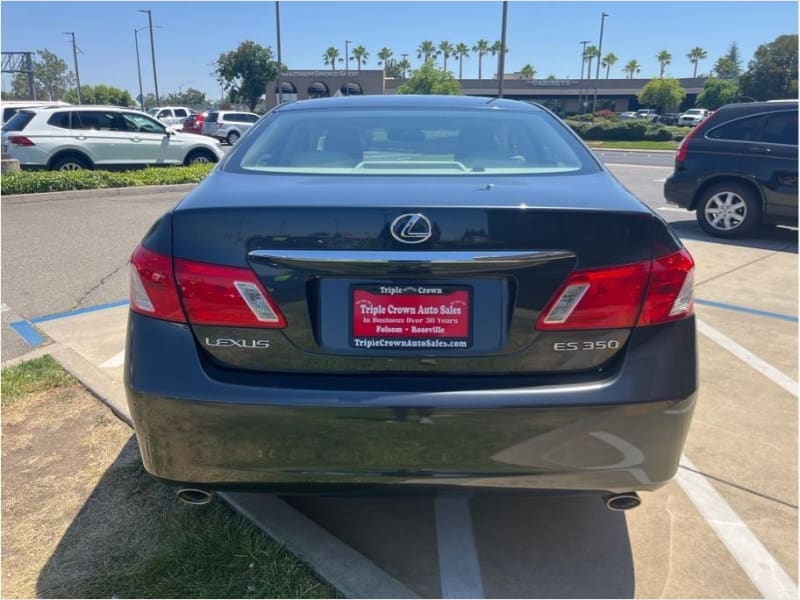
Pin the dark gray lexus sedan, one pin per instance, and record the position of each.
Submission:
(411, 291)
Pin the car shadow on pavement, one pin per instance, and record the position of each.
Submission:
(778, 239)
(116, 522)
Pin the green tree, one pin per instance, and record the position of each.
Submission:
(52, 73)
(495, 50)
(663, 58)
(100, 94)
(772, 73)
(662, 93)
(245, 72)
(589, 55)
(384, 56)
(718, 92)
(729, 66)
(608, 61)
(189, 97)
(360, 55)
(482, 49)
(446, 49)
(20, 90)
(528, 71)
(429, 79)
(331, 56)
(695, 55)
(551, 77)
(427, 51)
(632, 67)
(462, 52)
(404, 66)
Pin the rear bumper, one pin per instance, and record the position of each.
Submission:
(200, 424)
(680, 190)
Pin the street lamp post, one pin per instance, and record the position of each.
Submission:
(139, 66)
(599, 57)
(583, 65)
(347, 57)
(75, 58)
(152, 52)
(501, 64)
(278, 81)
(404, 55)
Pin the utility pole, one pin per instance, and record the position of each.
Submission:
(347, 57)
(278, 81)
(404, 55)
(501, 64)
(580, 84)
(152, 53)
(599, 57)
(75, 58)
(139, 66)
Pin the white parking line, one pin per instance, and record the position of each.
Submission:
(459, 568)
(639, 166)
(673, 209)
(659, 180)
(114, 361)
(754, 559)
(743, 354)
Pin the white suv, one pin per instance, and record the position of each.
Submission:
(693, 116)
(228, 125)
(171, 115)
(88, 137)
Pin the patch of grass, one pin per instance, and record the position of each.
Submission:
(30, 182)
(208, 552)
(636, 145)
(33, 376)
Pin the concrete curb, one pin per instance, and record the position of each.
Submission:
(32, 355)
(632, 150)
(122, 192)
(347, 570)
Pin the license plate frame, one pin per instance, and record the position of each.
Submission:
(410, 316)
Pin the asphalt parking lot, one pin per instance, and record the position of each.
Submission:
(726, 527)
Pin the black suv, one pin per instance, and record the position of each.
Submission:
(738, 168)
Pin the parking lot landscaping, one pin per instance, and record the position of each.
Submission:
(31, 182)
(82, 519)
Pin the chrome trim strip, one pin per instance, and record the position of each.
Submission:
(359, 261)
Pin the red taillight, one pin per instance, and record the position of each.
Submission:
(229, 296)
(153, 289)
(653, 292)
(20, 140)
(670, 295)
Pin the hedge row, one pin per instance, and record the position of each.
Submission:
(629, 131)
(30, 182)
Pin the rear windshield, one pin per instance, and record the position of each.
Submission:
(212, 117)
(19, 121)
(412, 142)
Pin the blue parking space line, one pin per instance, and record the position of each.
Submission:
(745, 309)
(27, 332)
(79, 311)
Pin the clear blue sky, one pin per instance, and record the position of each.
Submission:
(544, 34)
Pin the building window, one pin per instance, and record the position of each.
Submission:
(318, 90)
(350, 89)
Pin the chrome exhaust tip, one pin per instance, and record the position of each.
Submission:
(194, 496)
(620, 502)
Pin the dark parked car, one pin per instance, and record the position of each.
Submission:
(668, 119)
(194, 123)
(738, 168)
(411, 291)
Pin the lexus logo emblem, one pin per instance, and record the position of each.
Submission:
(412, 228)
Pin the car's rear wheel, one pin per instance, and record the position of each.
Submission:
(232, 138)
(200, 157)
(70, 162)
(728, 210)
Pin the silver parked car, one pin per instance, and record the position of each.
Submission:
(693, 116)
(228, 125)
(87, 137)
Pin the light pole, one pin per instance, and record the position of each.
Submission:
(152, 52)
(347, 57)
(501, 64)
(583, 65)
(599, 57)
(139, 66)
(278, 81)
(404, 55)
(75, 57)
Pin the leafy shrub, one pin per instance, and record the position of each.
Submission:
(629, 131)
(606, 114)
(31, 182)
(586, 117)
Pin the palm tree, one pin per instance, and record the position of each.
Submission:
(331, 56)
(663, 58)
(695, 55)
(632, 67)
(383, 57)
(528, 71)
(482, 48)
(608, 61)
(405, 66)
(462, 52)
(360, 55)
(427, 51)
(446, 49)
(589, 55)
